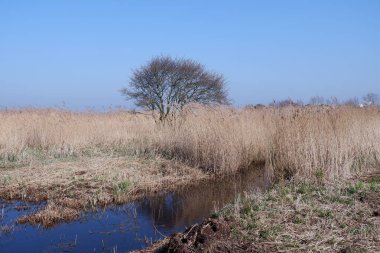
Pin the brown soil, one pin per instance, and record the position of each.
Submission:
(373, 200)
(213, 235)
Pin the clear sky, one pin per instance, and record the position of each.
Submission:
(80, 53)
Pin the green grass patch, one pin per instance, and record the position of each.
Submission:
(123, 186)
(375, 180)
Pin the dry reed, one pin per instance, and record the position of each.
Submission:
(60, 133)
(305, 143)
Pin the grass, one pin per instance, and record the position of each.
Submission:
(123, 186)
(100, 158)
(307, 218)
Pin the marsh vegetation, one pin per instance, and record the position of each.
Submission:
(305, 143)
(79, 161)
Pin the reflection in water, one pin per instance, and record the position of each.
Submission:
(130, 226)
(190, 204)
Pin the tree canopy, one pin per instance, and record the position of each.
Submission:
(166, 85)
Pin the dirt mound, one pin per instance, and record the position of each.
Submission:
(213, 235)
(210, 236)
(373, 197)
(373, 200)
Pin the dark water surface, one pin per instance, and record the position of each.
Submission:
(126, 227)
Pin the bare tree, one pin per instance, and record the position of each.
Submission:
(371, 99)
(352, 102)
(166, 85)
(333, 101)
(317, 100)
(287, 102)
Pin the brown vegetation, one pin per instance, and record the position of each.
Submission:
(313, 143)
(290, 218)
(303, 143)
(32, 135)
(50, 216)
(100, 158)
(89, 182)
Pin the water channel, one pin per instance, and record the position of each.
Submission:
(125, 227)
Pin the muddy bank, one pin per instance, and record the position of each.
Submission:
(297, 218)
(212, 235)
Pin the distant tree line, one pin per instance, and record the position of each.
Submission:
(370, 99)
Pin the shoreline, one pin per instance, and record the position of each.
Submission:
(70, 187)
(290, 217)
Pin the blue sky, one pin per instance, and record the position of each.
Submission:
(80, 53)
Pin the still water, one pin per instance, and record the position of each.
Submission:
(126, 227)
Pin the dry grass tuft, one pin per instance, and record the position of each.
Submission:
(50, 215)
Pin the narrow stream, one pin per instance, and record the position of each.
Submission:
(126, 227)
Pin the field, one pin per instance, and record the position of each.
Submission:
(81, 160)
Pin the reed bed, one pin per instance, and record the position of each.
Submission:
(27, 133)
(303, 143)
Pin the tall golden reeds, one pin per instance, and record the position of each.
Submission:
(304, 143)
(64, 133)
